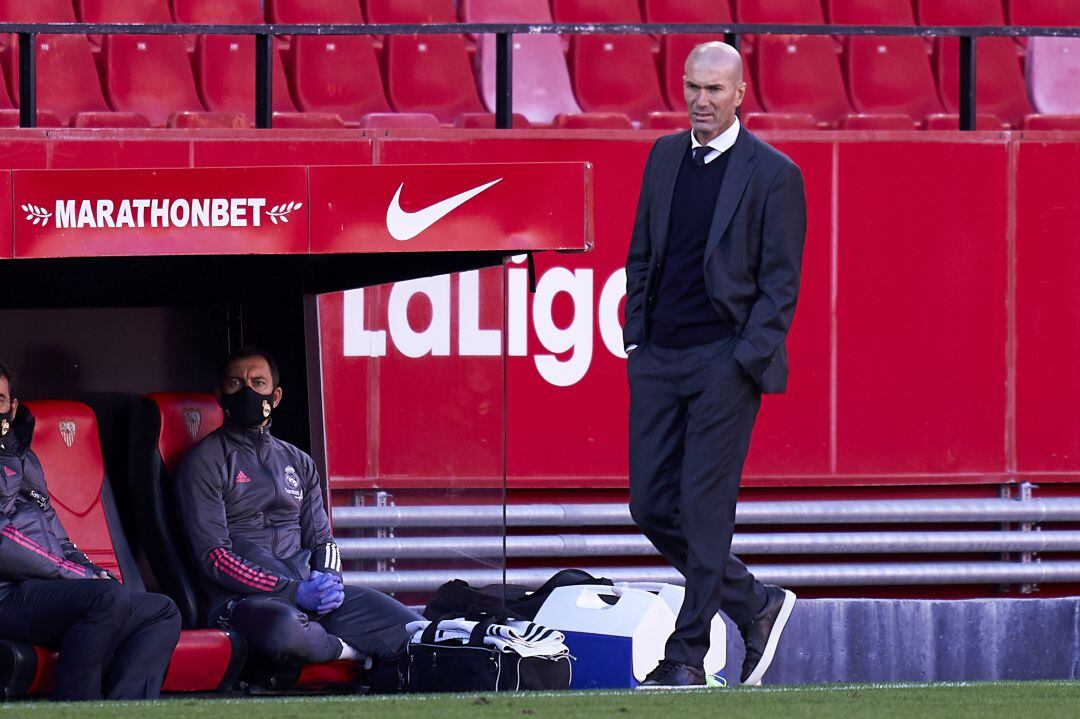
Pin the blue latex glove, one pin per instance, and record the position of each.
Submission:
(332, 598)
(309, 593)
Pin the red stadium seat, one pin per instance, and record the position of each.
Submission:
(110, 119)
(314, 11)
(541, 80)
(225, 70)
(430, 73)
(209, 121)
(147, 11)
(1053, 69)
(233, 12)
(780, 121)
(960, 12)
(686, 11)
(308, 120)
(410, 11)
(67, 80)
(37, 11)
(1070, 123)
(870, 12)
(780, 11)
(486, 121)
(584, 11)
(615, 73)
(999, 85)
(505, 11)
(398, 120)
(594, 121)
(66, 441)
(666, 121)
(1044, 13)
(10, 118)
(337, 74)
(948, 121)
(890, 75)
(800, 74)
(878, 122)
(149, 74)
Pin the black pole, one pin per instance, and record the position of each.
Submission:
(732, 38)
(967, 82)
(27, 79)
(504, 86)
(264, 80)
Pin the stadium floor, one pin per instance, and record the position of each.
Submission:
(1045, 700)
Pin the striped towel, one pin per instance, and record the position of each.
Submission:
(525, 638)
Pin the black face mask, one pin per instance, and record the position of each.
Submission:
(247, 407)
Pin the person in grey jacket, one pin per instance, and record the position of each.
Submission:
(112, 642)
(253, 511)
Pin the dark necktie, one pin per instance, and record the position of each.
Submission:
(699, 153)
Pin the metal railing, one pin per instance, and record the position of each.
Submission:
(504, 32)
(1022, 536)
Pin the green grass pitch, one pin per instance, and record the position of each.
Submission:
(1011, 700)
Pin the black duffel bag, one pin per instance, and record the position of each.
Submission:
(457, 666)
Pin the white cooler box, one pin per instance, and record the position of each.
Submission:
(617, 634)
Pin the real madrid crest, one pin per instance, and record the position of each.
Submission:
(266, 410)
(292, 483)
(5, 427)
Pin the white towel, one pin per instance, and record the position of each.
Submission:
(525, 638)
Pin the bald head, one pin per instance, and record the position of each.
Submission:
(718, 56)
(713, 88)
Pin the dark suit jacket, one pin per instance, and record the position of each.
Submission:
(753, 255)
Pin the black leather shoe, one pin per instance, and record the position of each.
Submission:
(762, 634)
(674, 675)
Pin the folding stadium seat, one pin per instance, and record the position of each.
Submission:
(871, 12)
(430, 73)
(314, 11)
(960, 12)
(779, 11)
(147, 11)
(308, 120)
(949, 121)
(878, 122)
(1070, 123)
(149, 74)
(686, 11)
(66, 441)
(68, 83)
(800, 74)
(615, 73)
(780, 121)
(410, 11)
(233, 12)
(209, 121)
(1053, 74)
(336, 74)
(585, 11)
(164, 427)
(999, 83)
(891, 75)
(594, 121)
(36, 11)
(398, 120)
(225, 70)
(673, 52)
(486, 121)
(541, 83)
(666, 121)
(1044, 13)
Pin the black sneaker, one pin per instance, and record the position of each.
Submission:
(762, 634)
(673, 675)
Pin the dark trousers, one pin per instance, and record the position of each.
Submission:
(691, 415)
(112, 642)
(369, 621)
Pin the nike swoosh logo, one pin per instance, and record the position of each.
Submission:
(404, 225)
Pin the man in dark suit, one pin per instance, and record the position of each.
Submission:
(712, 277)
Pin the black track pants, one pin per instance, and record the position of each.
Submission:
(112, 642)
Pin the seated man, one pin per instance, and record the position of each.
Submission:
(253, 509)
(112, 642)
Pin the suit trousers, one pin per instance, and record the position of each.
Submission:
(369, 621)
(692, 412)
(112, 642)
